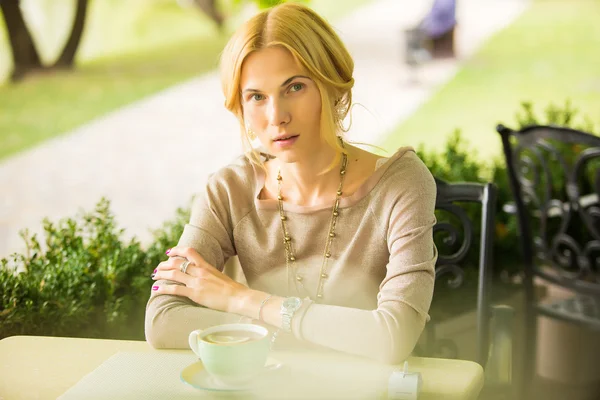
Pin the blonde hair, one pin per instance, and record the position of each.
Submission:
(314, 44)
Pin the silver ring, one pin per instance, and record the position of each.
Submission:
(183, 267)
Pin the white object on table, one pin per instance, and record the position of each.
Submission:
(404, 385)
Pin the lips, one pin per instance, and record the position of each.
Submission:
(284, 137)
(285, 141)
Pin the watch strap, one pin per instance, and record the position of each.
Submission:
(287, 312)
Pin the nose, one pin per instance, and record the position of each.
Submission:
(278, 113)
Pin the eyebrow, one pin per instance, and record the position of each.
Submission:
(287, 81)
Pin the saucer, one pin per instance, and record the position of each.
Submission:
(196, 376)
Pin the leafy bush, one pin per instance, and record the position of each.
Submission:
(84, 280)
(554, 115)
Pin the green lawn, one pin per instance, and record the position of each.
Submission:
(127, 55)
(549, 54)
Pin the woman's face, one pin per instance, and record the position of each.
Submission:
(281, 104)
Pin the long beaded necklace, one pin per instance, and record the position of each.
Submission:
(290, 258)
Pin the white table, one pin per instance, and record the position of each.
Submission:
(34, 367)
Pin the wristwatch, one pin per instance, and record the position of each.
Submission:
(289, 306)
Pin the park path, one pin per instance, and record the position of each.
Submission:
(149, 158)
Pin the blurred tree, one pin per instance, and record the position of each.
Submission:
(209, 7)
(67, 56)
(25, 56)
(271, 3)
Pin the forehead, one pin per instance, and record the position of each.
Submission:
(269, 67)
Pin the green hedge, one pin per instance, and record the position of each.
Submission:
(85, 280)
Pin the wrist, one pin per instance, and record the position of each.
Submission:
(248, 303)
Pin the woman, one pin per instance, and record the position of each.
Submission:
(335, 242)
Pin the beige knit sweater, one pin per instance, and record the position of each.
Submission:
(381, 272)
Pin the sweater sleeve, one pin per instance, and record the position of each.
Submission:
(170, 319)
(390, 332)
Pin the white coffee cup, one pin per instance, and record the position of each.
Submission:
(233, 354)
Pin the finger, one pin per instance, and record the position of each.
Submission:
(164, 265)
(173, 275)
(170, 264)
(191, 254)
(175, 264)
(176, 290)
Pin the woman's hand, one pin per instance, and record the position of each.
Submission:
(202, 283)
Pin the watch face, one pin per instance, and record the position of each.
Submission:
(292, 303)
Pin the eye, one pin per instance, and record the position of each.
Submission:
(296, 87)
(257, 97)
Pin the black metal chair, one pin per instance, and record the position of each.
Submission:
(554, 175)
(455, 236)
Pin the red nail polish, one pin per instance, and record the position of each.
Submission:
(168, 251)
(154, 287)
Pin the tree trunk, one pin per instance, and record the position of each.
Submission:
(209, 7)
(67, 57)
(24, 53)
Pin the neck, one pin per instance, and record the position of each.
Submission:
(311, 181)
